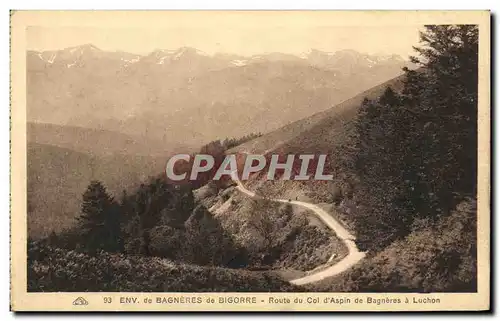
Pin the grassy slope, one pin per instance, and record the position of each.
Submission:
(311, 131)
(57, 177)
(299, 240)
(51, 270)
(95, 141)
(316, 134)
(415, 264)
(323, 133)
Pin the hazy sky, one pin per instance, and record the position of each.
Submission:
(231, 34)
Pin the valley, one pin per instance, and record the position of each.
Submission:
(390, 217)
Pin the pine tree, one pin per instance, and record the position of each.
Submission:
(417, 151)
(100, 220)
(378, 162)
(442, 99)
(389, 97)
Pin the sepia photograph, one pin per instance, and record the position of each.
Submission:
(285, 160)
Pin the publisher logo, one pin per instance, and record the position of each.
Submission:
(80, 301)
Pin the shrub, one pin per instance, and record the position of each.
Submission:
(53, 270)
(438, 257)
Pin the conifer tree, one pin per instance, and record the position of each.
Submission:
(417, 151)
(100, 220)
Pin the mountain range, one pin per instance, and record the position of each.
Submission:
(116, 116)
(86, 55)
(168, 94)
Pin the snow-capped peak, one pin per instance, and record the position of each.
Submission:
(52, 58)
(382, 57)
(305, 54)
(158, 53)
(46, 56)
(186, 50)
(130, 61)
(162, 60)
(163, 55)
(239, 62)
(80, 50)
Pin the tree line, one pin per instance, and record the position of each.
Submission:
(158, 218)
(416, 150)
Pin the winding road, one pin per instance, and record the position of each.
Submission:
(354, 255)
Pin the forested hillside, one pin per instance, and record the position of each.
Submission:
(404, 159)
(413, 156)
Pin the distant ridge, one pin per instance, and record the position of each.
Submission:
(95, 141)
(304, 132)
(313, 56)
(186, 93)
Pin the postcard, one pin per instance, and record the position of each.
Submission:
(250, 161)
